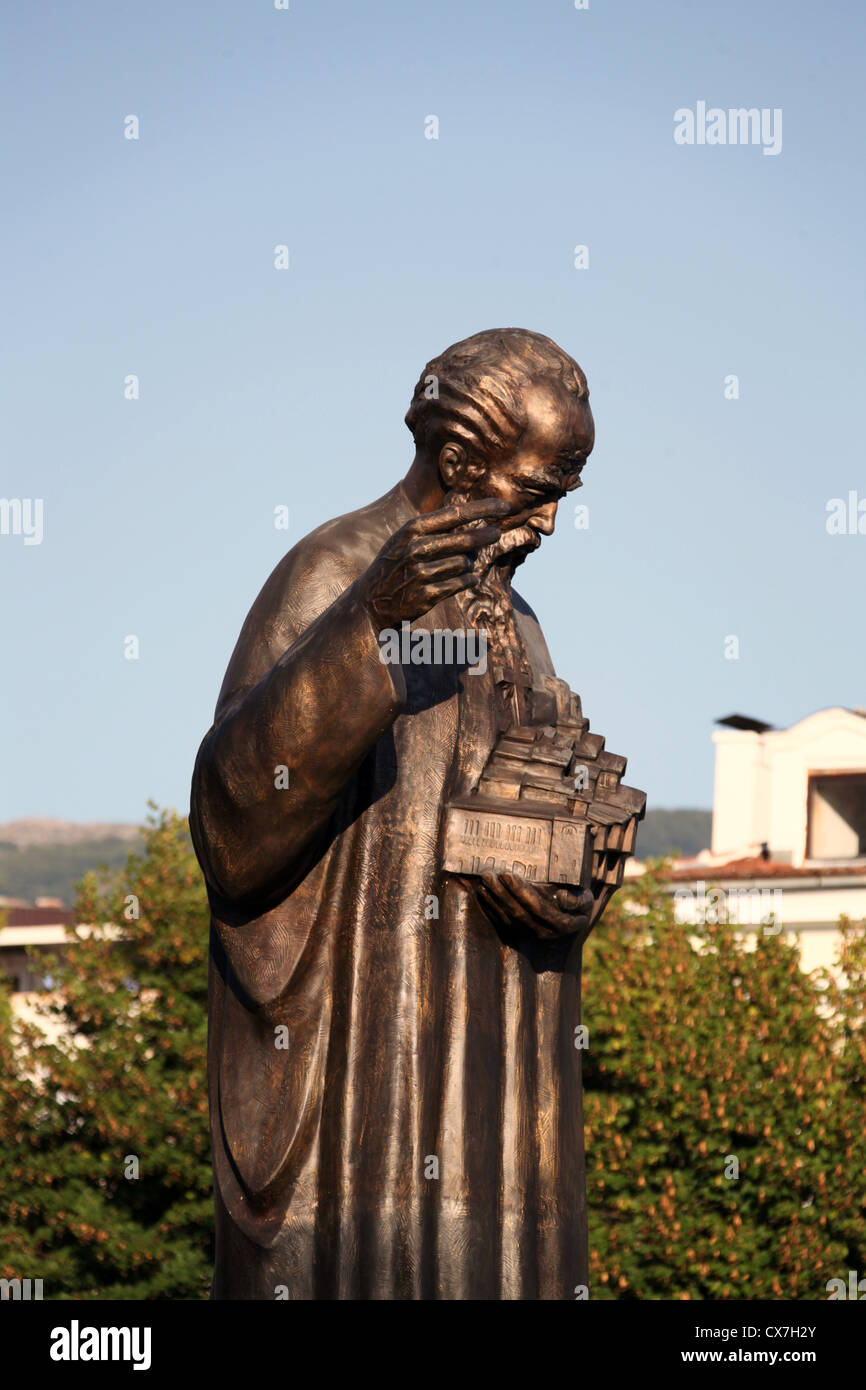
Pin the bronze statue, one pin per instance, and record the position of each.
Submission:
(407, 832)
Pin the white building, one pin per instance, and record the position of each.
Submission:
(789, 829)
(25, 933)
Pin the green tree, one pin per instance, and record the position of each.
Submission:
(724, 1109)
(724, 1103)
(105, 1183)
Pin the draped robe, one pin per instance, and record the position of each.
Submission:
(395, 1095)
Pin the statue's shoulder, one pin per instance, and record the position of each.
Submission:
(348, 543)
(326, 561)
(306, 581)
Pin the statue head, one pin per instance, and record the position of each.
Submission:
(505, 413)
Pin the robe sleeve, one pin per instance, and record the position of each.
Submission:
(305, 699)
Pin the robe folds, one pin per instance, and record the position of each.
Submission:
(395, 1091)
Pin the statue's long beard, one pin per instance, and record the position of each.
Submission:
(488, 607)
(509, 551)
(487, 604)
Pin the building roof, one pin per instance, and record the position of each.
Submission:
(37, 917)
(755, 867)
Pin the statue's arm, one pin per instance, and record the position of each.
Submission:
(306, 695)
(317, 711)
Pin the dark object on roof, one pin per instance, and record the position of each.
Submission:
(743, 721)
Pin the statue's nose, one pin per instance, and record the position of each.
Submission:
(544, 519)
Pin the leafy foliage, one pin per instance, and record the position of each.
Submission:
(701, 1052)
(124, 1080)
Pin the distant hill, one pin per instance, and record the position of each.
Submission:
(41, 830)
(673, 832)
(46, 858)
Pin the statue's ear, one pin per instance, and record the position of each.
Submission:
(456, 468)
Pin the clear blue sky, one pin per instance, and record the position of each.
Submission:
(261, 387)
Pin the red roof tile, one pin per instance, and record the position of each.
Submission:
(36, 916)
(756, 867)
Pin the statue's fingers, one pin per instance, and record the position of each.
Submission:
(525, 892)
(494, 909)
(536, 905)
(446, 518)
(446, 568)
(512, 907)
(434, 593)
(571, 901)
(454, 542)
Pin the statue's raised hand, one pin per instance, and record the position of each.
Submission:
(430, 558)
